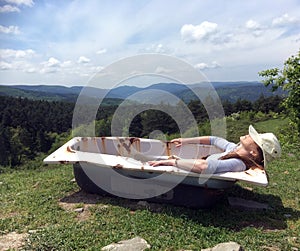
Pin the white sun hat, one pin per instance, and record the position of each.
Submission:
(268, 143)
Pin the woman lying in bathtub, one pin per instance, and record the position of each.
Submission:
(254, 151)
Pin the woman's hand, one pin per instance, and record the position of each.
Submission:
(167, 162)
(205, 140)
(178, 142)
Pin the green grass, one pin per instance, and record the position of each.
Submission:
(271, 125)
(32, 200)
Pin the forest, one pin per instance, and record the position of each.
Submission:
(31, 127)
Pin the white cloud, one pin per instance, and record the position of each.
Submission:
(83, 60)
(18, 65)
(24, 53)
(93, 69)
(204, 66)
(201, 66)
(284, 20)
(162, 70)
(5, 66)
(52, 62)
(157, 48)
(29, 3)
(190, 33)
(49, 70)
(101, 51)
(24, 66)
(9, 53)
(97, 68)
(9, 8)
(66, 64)
(67, 67)
(51, 66)
(30, 70)
(255, 27)
(10, 29)
(252, 25)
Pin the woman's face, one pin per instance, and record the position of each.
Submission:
(249, 144)
(246, 139)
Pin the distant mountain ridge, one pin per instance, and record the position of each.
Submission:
(230, 91)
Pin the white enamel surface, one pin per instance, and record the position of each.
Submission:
(132, 154)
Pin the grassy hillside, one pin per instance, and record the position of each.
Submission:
(37, 94)
(41, 202)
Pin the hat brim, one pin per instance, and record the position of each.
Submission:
(258, 140)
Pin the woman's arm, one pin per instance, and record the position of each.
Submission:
(203, 166)
(205, 140)
(221, 143)
(193, 165)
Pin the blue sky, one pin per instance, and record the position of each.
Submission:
(68, 42)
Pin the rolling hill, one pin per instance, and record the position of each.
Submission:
(230, 91)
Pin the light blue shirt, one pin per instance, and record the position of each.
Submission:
(215, 165)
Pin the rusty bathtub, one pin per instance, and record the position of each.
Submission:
(118, 166)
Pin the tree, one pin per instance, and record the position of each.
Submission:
(153, 119)
(242, 105)
(198, 110)
(4, 145)
(289, 80)
(267, 104)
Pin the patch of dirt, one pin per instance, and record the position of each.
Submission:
(266, 226)
(8, 215)
(80, 202)
(12, 240)
(82, 197)
(271, 248)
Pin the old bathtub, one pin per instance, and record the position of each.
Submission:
(118, 166)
